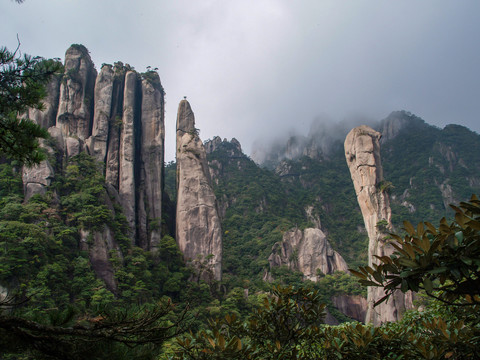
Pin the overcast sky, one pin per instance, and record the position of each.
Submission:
(256, 69)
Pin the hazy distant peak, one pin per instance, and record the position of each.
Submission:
(398, 121)
(233, 146)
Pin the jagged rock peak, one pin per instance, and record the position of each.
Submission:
(307, 251)
(212, 145)
(185, 118)
(233, 146)
(362, 152)
(198, 228)
(398, 121)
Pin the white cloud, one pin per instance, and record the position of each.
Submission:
(252, 69)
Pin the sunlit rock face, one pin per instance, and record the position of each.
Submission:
(362, 152)
(198, 229)
(307, 251)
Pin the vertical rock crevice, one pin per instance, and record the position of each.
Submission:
(126, 173)
(115, 126)
(151, 130)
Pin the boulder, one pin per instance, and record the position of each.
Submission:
(307, 251)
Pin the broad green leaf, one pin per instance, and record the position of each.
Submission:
(409, 227)
(428, 285)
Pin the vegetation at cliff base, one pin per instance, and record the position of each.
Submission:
(288, 323)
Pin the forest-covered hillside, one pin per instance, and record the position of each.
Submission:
(426, 169)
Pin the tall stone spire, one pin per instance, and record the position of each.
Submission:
(198, 228)
(362, 152)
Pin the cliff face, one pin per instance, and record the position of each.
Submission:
(307, 251)
(118, 118)
(354, 306)
(198, 228)
(430, 167)
(151, 164)
(362, 152)
(76, 98)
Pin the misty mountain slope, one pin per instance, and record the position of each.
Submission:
(256, 208)
(322, 187)
(307, 184)
(428, 167)
(258, 205)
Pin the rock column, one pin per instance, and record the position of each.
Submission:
(362, 152)
(198, 228)
(152, 157)
(103, 105)
(75, 106)
(126, 178)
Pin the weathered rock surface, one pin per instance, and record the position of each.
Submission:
(76, 94)
(101, 114)
(233, 147)
(118, 117)
(152, 155)
(36, 179)
(312, 216)
(99, 246)
(330, 319)
(362, 152)
(73, 146)
(393, 125)
(47, 117)
(354, 306)
(212, 145)
(126, 160)
(199, 233)
(115, 126)
(307, 251)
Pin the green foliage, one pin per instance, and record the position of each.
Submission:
(287, 319)
(41, 263)
(151, 76)
(385, 186)
(84, 195)
(136, 333)
(443, 261)
(22, 86)
(422, 159)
